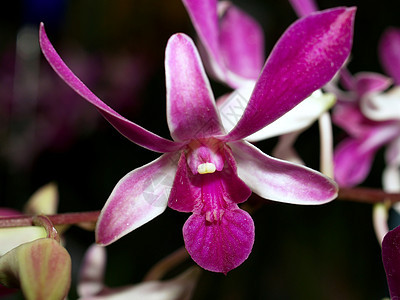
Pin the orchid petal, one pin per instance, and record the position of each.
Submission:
(380, 216)
(43, 201)
(367, 82)
(183, 194)
(382, 106)
(219, 246)
(392, 155)
(353, 157)
(191, 106)
(180, 287)
(284, 148)
(391, 174)
(41, 268)
(279, 180)
(91, 277)
(130, 130)
(349, 117)
(391, 261)
(205, 20)
(139, 196)
(303, 7)
(306, 57)
(241, 42)
(299, 118)
(351, 163)
(13, 237)
(389, 49)
(391, 179)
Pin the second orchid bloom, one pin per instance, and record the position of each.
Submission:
(206, 171)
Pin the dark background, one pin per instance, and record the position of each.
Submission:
(300, 252)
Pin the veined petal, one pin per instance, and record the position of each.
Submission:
(241, 42)
(306, 57)
(130, 130)
(389, 53)
(42, 269)
(280, 180)
(303, 7)
(382, 106)
(219, 246)
(191, 110)
(353, 157)
(205, 20)
(391, 261)
(138, 197)
(300, 117)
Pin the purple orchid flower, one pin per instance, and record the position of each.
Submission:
(206, 171)
(371, 118)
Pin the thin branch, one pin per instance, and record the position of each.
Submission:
(367, 195)
(59, 219)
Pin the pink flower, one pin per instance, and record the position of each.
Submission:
(206, 171)
(370, 115)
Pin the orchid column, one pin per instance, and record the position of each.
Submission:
(206, 171)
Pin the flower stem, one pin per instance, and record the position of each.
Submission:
(59, 219)
(367, 195)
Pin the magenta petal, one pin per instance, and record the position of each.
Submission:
(303, 7)
(391, 261)
(280, 180)
(191, 109)
(389, 52)
(351, 163)
(222, 245)
(183, 194)
(353, 157)
(205, 20)
(241, 43)
(130, 130)
(306, 57)
(138, 197)
(367, 82)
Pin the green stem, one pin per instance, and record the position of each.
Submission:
(59, 219)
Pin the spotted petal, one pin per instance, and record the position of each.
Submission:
(306, 57)
(138, 197)
(279, 180)
(130, 130)
(191, 109)
(219, 246)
